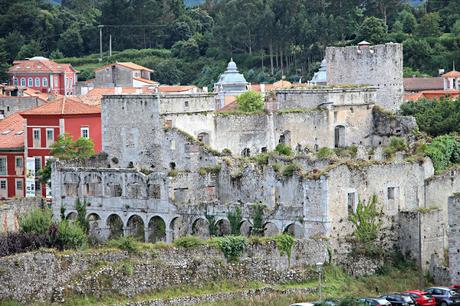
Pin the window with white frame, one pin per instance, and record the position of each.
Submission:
(19, 188)
(30, 82)
(37, 82)
(36, 138)
(45, 82)
(3, 167)
(3, 186)
(49, 137)
(15, 81)
(19, 162)
(84, 132)
(66, 82)
(23, 82)
(38, 164)
(56, 82)
(71, 82)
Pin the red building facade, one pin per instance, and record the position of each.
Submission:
(45, 123)
(44, 75)
(12, 157)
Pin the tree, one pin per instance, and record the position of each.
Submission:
(30, 50)
(373, 30)
(429, 25)
(408, 21)
(65, 148)
(250, 101)
(71, 42)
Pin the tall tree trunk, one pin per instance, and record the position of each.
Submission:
(281, 62)
(276, 59)
(270, 46)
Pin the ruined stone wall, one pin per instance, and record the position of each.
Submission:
(131, 130)
(388, 124)
(379, 65)
(187, 103)
(454, 239)
(52, 277)
(10, 211)
(11, 105)
(313, 98)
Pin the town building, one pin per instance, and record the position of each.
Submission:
(45, 123)
(451, 80)
(123, 74)
(12, 180)
(44, 75)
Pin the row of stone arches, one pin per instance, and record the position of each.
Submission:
(158, 229)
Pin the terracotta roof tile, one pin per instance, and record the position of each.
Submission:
(38, 66)
(430, 94)
(94, 96)
(175, 88)
(63, 106)
(129, 65)
(452, 74)
(12, 132)
(146, 81)
(418, 84)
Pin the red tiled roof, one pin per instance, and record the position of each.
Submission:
(146, 81)
(418, 84)
(231, 107)
(258, 87)
(38, 66)
(430, 94)
(452, 74)
(175, 88)
(129, 65)
(12, 132)
(63, 106)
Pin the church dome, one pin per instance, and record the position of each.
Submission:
(231, 75)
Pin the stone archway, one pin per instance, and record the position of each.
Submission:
(246, 228)
(72, 216)
(157, 229)
(178, 227)
(115, 226)
(135, 228)
(94, 225)
(270, 229)
(294, 230)
(223, 227)
(200, 228)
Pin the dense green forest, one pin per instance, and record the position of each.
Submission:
(267, 38)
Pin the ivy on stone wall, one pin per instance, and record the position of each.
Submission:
(235, 218)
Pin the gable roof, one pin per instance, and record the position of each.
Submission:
(38, 65)
(146, 81)
(129, 65)
(63, 106)
(418, 84)
(12, 132)
(452, 74)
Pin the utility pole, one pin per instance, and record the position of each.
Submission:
(110, 45)
(100, 42)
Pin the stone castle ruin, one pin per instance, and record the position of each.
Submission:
(174, 165)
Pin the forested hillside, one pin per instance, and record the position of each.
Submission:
(268, 38)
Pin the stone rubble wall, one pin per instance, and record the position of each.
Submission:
(10, 211)
(454, 239)
(50, 276)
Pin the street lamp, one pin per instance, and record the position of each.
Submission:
(319, 269)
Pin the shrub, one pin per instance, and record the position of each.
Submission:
(125, 243)
(366, 221)
(283, 149)
(325, 153)
(188, 242)
(250, 101)
(261, 159)
(80, 207)
(290, 169)
(232, 246)
(396, 144)
(443, 151)
(235, 218)
(284, 242)
(36, 221)
(258, 219)
(18, 242)
(70, 236)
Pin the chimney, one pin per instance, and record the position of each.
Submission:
(363, 45)
(118, 90)
(205, 89)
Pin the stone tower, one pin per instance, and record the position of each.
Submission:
(380, 66)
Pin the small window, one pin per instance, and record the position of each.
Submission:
(45, 82)
(30, 82)
(49, 137)
(23, 82)
(36, 138)
(38, 188)
(19, 188)
(351, 202)
(38, 164)
(84, 132)
(391, 193)
(37, 82)
(186, 103)
(3, 169)
(19, 162)
(15, 82)
(335, 117)
(246, 152)
(3, 184)
(19, 185)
